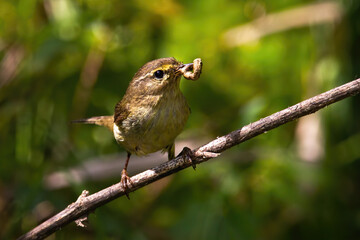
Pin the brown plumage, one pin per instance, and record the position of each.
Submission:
(106, 121)
(153, 110)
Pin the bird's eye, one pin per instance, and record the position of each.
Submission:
(159, 74)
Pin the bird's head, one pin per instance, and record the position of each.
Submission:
(159, 75)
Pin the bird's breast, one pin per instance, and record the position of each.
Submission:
(154, 124)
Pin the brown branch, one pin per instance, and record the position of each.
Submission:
(88, 203)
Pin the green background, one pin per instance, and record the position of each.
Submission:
(61, 60)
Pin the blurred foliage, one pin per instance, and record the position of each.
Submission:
(62, 59)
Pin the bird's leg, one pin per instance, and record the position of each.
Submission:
(125, 179)
(171, 151)
(187, 154)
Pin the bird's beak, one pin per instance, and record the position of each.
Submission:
(184, 68)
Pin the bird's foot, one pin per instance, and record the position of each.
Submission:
(125, 181)
(188, 154)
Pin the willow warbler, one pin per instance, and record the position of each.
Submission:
(153, 110)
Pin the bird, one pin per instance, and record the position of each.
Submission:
(153, 111)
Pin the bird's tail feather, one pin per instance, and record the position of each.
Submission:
(106, 121)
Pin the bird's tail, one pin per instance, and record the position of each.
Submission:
(106, 121)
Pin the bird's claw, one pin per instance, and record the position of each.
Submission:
(187, 154)
(125, 181)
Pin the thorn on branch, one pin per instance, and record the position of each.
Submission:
(82, 221)
(82, 196)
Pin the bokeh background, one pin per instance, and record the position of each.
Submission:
(61, 60)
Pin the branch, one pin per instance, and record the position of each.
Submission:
(88, 203)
